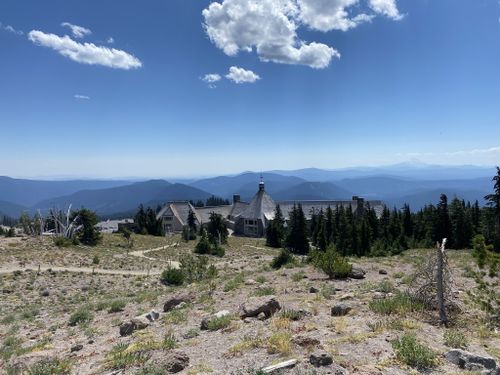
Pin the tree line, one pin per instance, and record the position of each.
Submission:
(390, 232)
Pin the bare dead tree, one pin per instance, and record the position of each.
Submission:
(440, 282)
(432, 283)
(64, 226)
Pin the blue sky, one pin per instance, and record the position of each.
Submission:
(323, 83)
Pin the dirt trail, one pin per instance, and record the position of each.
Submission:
(142, 253)
(138, 253)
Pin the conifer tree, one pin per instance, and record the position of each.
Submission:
(217, 230)
(494, 202)
(191, 223)
(442, 225)
(87, 233)
(140, 220)
(297, 240)
(275, 231)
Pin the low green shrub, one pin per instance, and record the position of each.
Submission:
(172, 276)
(61, 241)
(117, 305)
(169, 341)
(400, 303)
(455, 339)
(120, 358)
(50, 367)
(234, 283)
(197, 268)
(331, 263)
(282, 259)
(80, 316)
(411, 352)
(217, 323)
(292, 314)
(265, 291)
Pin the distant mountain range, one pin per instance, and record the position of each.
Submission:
(417, 185)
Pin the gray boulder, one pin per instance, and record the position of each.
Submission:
(135, 324)
(341, 309)
(205, 321)
(254, 306)
(176, 300)
(470, 361)
(357, 273)
(320, 358)
(173, 361)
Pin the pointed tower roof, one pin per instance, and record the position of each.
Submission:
(261, 207)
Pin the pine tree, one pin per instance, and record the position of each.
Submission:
(191, 221)
(140, 220)
(87, 233)
(407, 221)
(442, 225)
(275, 231)
(461, 225)
(494, 203)
(329, 226)
(217, 230)
(25, 222)
(297, 240)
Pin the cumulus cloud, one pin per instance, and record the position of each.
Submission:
(270, 27)
(327, 15)
(10, 29)
(211, 78)
(240, 75)
(85, 53)
(77, 31)
(82, 97)
(387, 8)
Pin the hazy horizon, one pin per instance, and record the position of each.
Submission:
(412, 164)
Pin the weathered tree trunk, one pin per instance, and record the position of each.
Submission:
(440, 282)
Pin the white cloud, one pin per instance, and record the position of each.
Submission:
(10, 29)
(240, 75)
(82, 97)
(327, 15)
(387, 8)
(477, 151)
(110, 40)
(77, 31)
(270, 27)
(211, 78)
(85, 53)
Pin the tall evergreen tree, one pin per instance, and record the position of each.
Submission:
(494, 202)
(297, 240)
(461, 225)
(275, 231)
(217, 230)
(407, 221)
(87, 232)
(191, 221)
(442, 224)
(140, 220)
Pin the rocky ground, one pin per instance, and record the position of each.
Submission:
(247, 319)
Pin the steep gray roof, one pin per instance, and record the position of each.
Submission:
(310, 207)
(204, 212)
(238, 208)
(179, 210)
(261, 207)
